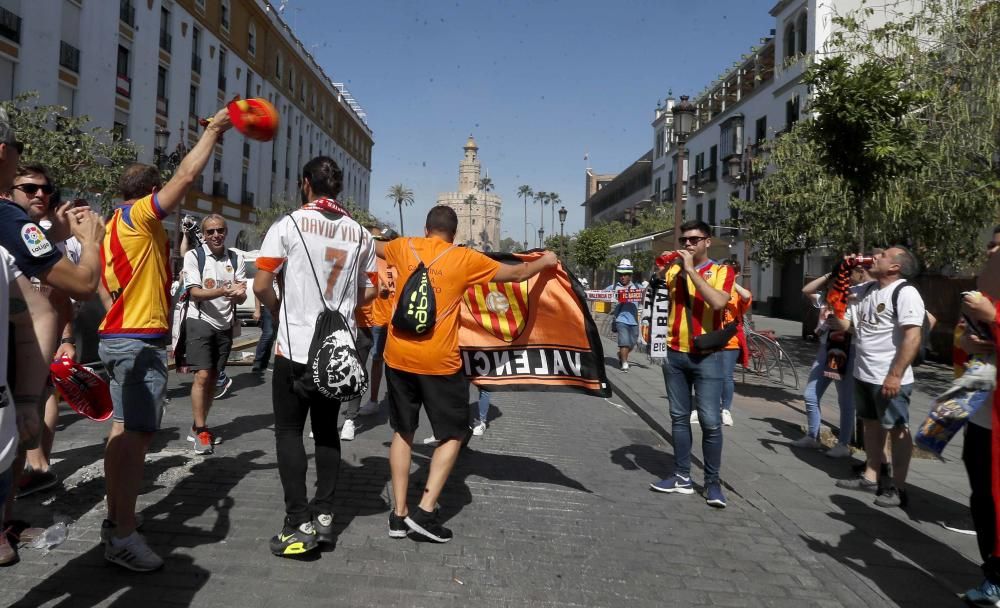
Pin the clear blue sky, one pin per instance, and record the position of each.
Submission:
(537, 82)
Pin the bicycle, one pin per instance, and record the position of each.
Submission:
(767, 357)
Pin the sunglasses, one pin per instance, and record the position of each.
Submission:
(16, 145)
(694, 240)
(32, 189)
(212, 231)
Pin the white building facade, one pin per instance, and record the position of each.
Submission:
(138, 66)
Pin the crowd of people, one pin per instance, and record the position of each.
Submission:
(314, 260)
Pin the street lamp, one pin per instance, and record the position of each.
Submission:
(684, 115)
(562, 230)
(541, 235)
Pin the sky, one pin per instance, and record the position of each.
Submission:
(538, 83)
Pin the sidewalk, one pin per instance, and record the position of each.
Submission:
(904, 557)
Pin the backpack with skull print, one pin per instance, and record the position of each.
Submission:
(335, 370)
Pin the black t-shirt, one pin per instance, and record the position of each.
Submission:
(33, 252)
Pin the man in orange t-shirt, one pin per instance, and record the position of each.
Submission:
(425, 370)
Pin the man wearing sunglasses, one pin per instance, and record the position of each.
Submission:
(216, 282)
(51, 309)
(699, 291)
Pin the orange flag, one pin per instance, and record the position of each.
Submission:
(535, 335)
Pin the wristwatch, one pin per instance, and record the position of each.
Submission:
(68, 341)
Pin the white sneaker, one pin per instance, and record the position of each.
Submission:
(479, 429)
(727, 418)
(807, 442)
(838, 451)
(694, 418)
(432, 440)
(369, 408)
(347, 433)
(625, 366)
(133, 553)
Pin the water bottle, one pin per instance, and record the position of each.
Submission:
(53, 536)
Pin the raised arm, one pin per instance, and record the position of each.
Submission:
(515, 273)
(173, 192)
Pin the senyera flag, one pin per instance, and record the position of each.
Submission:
(530, 336)
(82, 389)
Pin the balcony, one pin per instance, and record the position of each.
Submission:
(196, 64)
(193, 122)
(220, 189)
(166, 40)
(126, 13)
(222, 82)
(69, 57)
(707, 179)
(10, 26)
(247, 199)
(667, 196)
(162, 106)
(124, 86)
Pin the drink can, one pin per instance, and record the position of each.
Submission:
(665, 259)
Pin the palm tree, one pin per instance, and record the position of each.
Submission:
(470, 201)
(553, 201)
(486, 184)
(525, 192)
(402, 196)
(541, 197)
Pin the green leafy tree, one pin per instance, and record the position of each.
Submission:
(401, 196)
(561, 246)
(509, 245)
(592, 249)
(905, 146)
(85, 160)
(265, 218)
(359, 214)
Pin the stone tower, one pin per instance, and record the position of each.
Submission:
(478, 216)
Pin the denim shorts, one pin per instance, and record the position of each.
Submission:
(628, 335)
(137, 371)
(871, 405)
(379, 333)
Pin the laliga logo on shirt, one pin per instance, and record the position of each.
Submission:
(35, 240)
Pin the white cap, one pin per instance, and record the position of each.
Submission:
(625, 266)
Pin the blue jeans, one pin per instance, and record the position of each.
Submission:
(266, 343)
(137, 373)
(484, 405)
(729, 359)
(817, 385)
(683, 372)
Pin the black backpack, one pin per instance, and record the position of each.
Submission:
(335, 370)
(925, 330)
(416, 309)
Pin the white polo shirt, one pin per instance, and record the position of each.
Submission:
(219, 312)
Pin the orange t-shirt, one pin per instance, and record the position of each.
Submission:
(436, 352)
(382, 307)
(735, 309)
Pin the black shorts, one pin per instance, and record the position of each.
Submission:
(207, 347)
(445, 397)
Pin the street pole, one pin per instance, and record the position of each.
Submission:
(684, 115)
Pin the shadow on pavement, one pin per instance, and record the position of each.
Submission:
(87, 581)
(637, 456)
(876, 546)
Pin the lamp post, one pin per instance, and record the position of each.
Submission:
(684, 114)
(541, 235)
(562, 231)
(167, 163)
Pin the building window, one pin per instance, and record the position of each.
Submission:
(67, 99)
(789, 42)
(124, 83)
(291, 80)
(713, 157)
(200, 4)
(711, 214)
(760, 134)
(224, 14)
(252, 39)
(791, 112)
(249, 88)
(196, 50)
(277, 65)
(656, 191)
(161, 91)
(222, 69)
(699, 163)
(699, 208)
(802, 31)
(659, 143)
(193, 104)
(126, 13)
(69, 56)
(165, 38)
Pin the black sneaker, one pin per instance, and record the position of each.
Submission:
(428, 525)
(397, 526)
(294, 541)
(324, 528)
(858, 483)
(891, 497)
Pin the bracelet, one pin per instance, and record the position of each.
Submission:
(68, 341)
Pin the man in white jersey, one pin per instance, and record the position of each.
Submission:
(8, 418)
(322, 246)
(887, 320)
